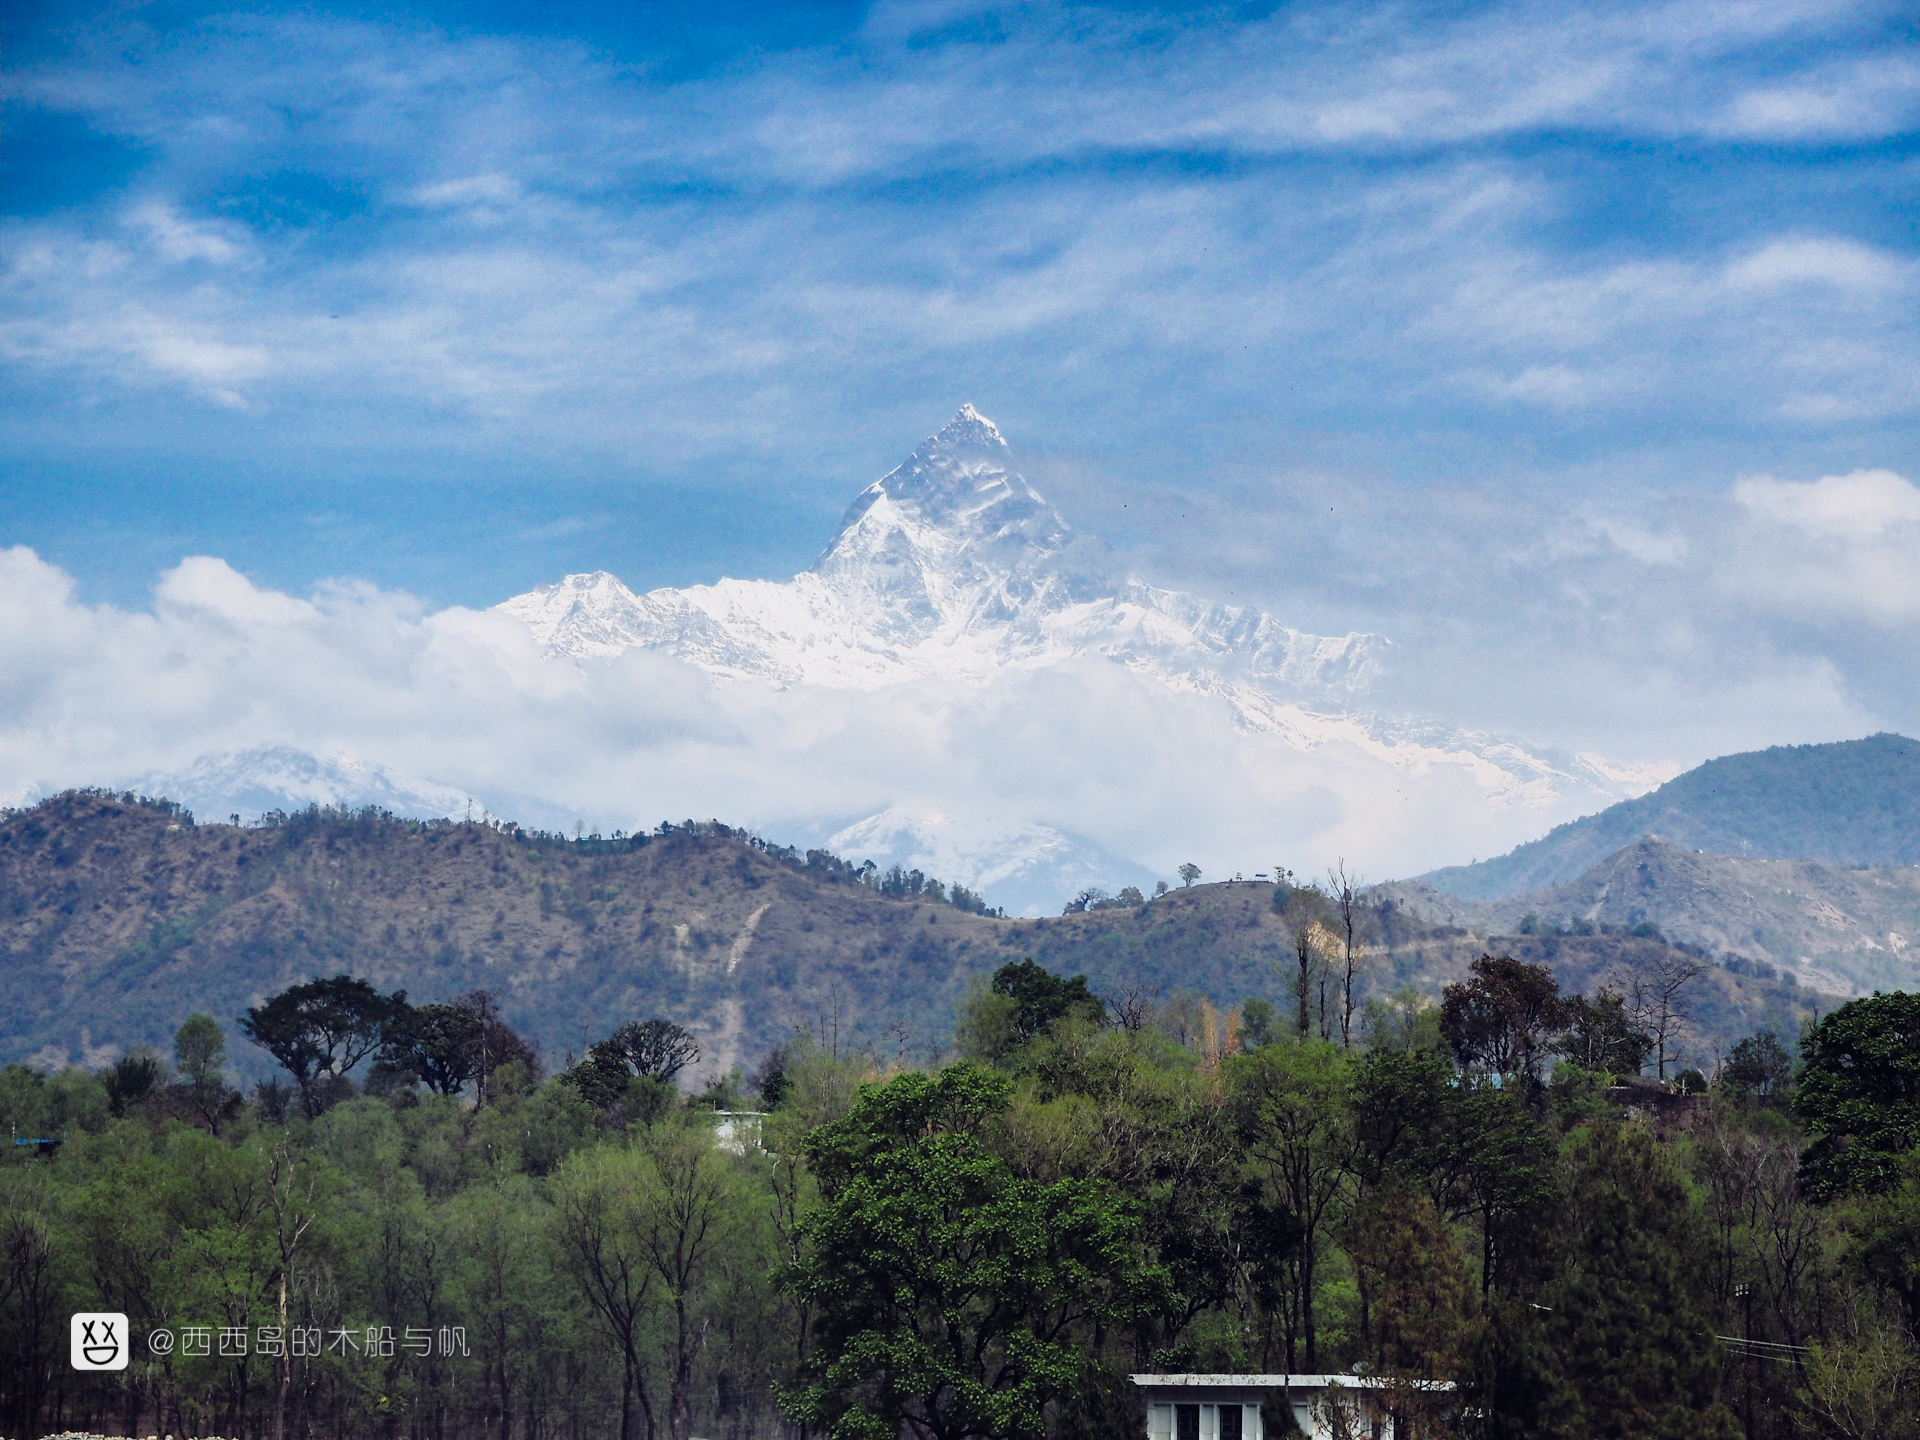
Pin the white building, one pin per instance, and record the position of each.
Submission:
(1227, 1407)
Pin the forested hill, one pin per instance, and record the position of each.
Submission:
(1852, 803)
(118, 919)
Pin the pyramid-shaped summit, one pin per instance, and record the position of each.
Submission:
(953, 502)
(952, 565)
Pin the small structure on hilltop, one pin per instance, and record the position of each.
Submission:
(1227, 1407)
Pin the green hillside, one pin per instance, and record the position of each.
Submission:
(1856, 802)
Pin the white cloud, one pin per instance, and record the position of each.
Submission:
(179, 239)
(1840, 263)
(1839, 548)
(1647, 546)
(1870, 96)
(1861, 505)
(556, 262)
(462, 699)
(203, 583)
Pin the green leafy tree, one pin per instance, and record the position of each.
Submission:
(133, 1077)
(657, 1049)
(947, 1291)
(1293, 1107)
(1259, 1023)
(1859, 1091)
(1414, 1289)
(321, 1030)
(1041, 998)
(200, 1050)
(1884, 1240)
(600, 1222)
(448, 1047)
(1759, 1071)
(1505, 1019)
(200, 1055)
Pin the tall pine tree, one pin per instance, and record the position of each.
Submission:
(1633, 1354)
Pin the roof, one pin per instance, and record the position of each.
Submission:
(1279, 1382)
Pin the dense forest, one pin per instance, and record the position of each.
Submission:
(411, 1232)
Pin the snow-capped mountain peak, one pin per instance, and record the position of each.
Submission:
(953, 568)
(951, 564)
(955, 489)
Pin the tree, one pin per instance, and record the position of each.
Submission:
(1634, 1353)
(200, 1055)
(1759, 1070)
(435, 1045)
(200, 1050)
(1189, 873)
(321, 1030)
(657, 1049)
(683, 1225)
(1258, 1022)
(1351, 915)
(948, 1291)
(1859, 1092)
(1041, 998)
(1601, 1035)
(599, 1202)
(1303, 909)
(1865, 1386)
(1505, 1019)
(447, 1047)
(1885, 1240)
(132, 1078)
(1414, 1296)
(1659, 995)
(1293, 1111)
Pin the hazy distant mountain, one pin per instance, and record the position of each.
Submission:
(1024, 867)
(1844, 930)
(952, 568)
(250, 783)
(1852, 803)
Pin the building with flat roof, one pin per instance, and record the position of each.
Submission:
(1227, 1407)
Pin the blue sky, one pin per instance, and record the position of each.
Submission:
(1525, 335)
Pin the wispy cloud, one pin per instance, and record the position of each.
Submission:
(1386, 315)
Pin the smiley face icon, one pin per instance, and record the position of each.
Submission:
(99, 1341)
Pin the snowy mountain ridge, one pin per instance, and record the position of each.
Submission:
(949, 566)
(250, 783)
(962, 684)
(952, 566)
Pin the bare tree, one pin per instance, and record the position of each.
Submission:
(1304, 910)
(1658, 985)
(1131, 1007)
(681, 1233)
(599, 1205)
(1344, 888)
(290, 1192)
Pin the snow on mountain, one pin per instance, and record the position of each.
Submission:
(953, 569)
(1025, 868)
(249, 783)
(954, 566)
